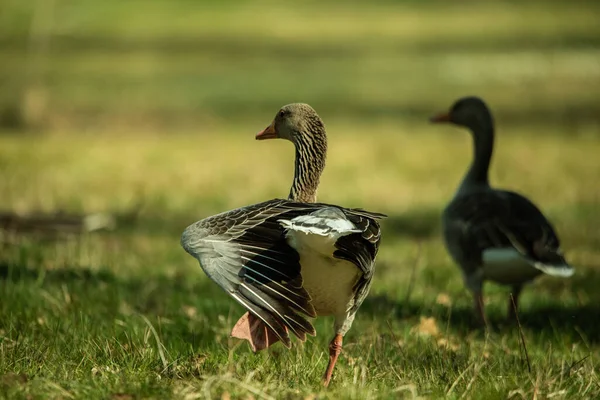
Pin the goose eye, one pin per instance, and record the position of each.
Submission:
(281, 113)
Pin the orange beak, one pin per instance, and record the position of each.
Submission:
(268, 133)
(443, 117)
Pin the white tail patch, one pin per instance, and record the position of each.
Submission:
(508, 266)
(560, 270)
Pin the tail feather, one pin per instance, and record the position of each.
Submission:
(558, 270)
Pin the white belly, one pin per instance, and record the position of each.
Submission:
(507, 266)
(328, 280)
(329, 283)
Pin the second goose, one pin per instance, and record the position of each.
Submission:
(495, 234)
(286, 260)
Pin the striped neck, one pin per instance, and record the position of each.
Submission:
(311, 150)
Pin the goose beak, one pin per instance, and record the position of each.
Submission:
(443, 117)
(268, 133)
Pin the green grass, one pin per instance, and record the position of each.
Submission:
(90, 316)
(155, 105)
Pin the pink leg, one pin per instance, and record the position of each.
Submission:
(335, 348)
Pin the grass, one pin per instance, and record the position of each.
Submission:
(157, 110)
(129, 313)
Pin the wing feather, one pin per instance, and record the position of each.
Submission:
(501, 219)
(246, 253)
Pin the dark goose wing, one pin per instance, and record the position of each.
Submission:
(495, 219)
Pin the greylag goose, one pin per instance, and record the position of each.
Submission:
(495, 234)
(285, 260)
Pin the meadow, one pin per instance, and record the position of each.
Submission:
(151, 109)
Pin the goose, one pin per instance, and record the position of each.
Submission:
(495, 234)
(288, 259)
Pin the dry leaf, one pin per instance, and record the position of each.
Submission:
(121, 396)
(427, 327)
(225, 396)
(444, 300)
(198, 361)
(448, 344)
(190, 311)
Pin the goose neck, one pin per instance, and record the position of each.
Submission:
(483, 146)
(309, 165)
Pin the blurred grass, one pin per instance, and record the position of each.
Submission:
(178, 62)
(160, 101)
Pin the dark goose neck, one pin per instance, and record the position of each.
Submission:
(483, 146)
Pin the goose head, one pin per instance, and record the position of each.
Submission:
(295, 122)
(470, 112)
(300, 124)
(473, 114)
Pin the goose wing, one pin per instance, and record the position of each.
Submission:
(497, 219)
(349, 234)
(245, 251)
(361, 249)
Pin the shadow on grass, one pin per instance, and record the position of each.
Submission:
(159, 295)
(152, 293)
(178, 284)
(103, 296)
(576, 321)
(15, 273)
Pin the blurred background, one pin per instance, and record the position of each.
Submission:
(214, 68)
(153, 98)
(163, 65)
(138, 117)
(147, 110)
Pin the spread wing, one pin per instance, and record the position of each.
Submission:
(246, 253)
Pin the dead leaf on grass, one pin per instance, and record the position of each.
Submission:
(122, 396)
(448, 344)
(444, 300)
(190, 311)
(426, 327)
